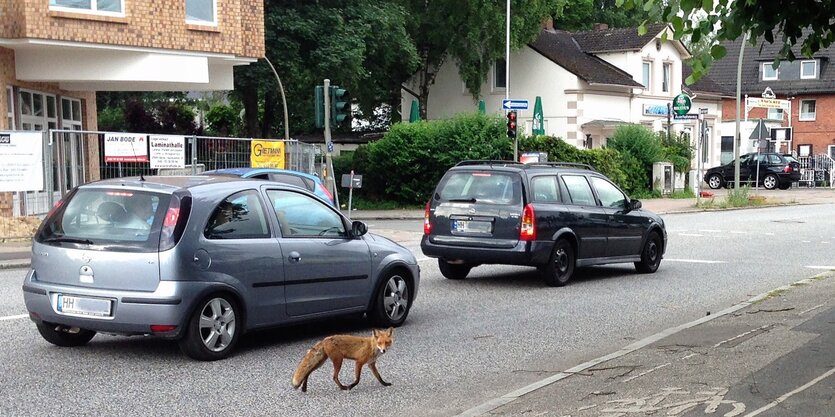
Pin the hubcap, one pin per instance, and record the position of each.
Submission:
(396, 297)
(769, 182)
(561, 261)
(652, 251)
(217, 324)
(714, 181)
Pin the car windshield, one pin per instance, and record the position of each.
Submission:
(481, 187)
(130, 220)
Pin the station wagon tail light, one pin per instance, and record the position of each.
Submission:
(427, 226)
(528, 229)
(787, 169)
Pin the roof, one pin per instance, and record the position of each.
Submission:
(612, 40)
(723, 72)
(704, 85)
(561, 48)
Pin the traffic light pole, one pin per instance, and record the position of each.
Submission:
(329, 182)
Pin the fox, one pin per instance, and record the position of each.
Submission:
(363, 350)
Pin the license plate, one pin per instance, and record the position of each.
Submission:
(97, 307)
(470, 226)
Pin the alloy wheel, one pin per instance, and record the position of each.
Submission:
(217, 324)
(396, 297)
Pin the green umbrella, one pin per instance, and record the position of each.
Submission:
(482, 107)
(414, 115)
(538, 119)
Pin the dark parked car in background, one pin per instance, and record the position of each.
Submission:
(307, 181)
(203, 259)
(554, 216)
(775, 171)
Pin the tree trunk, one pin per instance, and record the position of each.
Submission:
(250, 96)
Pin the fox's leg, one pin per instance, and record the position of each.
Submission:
(337, 366)
(373, 366)
(357, 372)
(315, 367)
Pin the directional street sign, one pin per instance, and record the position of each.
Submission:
(513, 104)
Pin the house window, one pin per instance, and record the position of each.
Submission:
(807, 110)
(94, 6)
(831, 151)
(37, 111)
(9, 108)
(769, 72)
(499, 75)
(775, 114)
(201, 12)
(666, 81)
(808, 69)
(647, 70)
(804, 150)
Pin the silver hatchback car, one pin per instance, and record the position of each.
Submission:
(204, 259)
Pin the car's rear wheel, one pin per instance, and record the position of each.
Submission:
(715, 181)
(650, 255)
(392, 301)
(212, 330)
(770, 181)
(560, 267)
(63, 336)
(454, 271)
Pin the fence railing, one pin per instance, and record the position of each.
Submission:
(816, 170)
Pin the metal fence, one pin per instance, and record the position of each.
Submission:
(816, 170)
(75, 157)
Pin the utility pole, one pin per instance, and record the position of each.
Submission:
(507, 73)
(738, 93)
(328, 143)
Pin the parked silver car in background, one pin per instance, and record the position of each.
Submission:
(204, 259)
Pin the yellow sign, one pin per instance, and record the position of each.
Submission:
(266, 154)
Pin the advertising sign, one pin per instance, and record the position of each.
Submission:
(681, 104)
(655, 110)
(266, 154)
(768, 103)
(21, 161)
(167, 151)
(125, 147)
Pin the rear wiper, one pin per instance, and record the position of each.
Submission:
(68, 240)
(462, 200)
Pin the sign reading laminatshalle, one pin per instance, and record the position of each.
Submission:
(167, 151)
(125, 147)
(21, 161)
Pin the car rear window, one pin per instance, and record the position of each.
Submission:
(481, 186)
(121, 219)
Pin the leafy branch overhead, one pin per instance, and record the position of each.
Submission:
(797, 23)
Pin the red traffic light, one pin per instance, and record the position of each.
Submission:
(511, 124)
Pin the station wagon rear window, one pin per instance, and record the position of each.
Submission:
(481, 187)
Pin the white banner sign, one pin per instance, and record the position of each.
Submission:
(769, 103)
(21, 161)
(168, 151)
(125, 147)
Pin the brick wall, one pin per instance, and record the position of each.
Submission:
(147, 23)
(819, 133)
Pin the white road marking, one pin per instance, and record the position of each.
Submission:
(825, 242)
(786, 396)
(769, 234)
(766, 327)
(646, 372)
(695, 261)
(827, 267)
(806, 241)
(689, 356)
(710, 230)
(19, 316)
(689, 234)
(813, 308)
(738, 232)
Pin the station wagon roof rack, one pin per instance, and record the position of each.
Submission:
(490, 162)
(561, 164)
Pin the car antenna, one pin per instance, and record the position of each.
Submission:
(141, 176)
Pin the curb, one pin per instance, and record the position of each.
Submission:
(15, 264)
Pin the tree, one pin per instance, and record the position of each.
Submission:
(146, 112)
(582, 14)
(806, 23)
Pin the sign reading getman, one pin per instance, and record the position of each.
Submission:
(167, 151)
(266, 154)
(21, 161)
(125, 147)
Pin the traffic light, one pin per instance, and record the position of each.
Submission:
(319, 99)
(511, 124)
(340, 105)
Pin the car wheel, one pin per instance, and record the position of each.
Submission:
(454, 271)
(650, 255)
(770, 182)
(391, 301)
(715, 181)
(212, 330)
(60, 336)
(560, 267)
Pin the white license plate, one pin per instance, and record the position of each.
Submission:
(69, 304)
(469, 226)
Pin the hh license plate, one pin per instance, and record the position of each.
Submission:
(69, 304)
(470, 226)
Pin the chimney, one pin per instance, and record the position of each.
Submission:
(548, 23)
(601, 26)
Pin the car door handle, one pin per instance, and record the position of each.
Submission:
(295, 257)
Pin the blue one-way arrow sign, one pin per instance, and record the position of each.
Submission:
(513, 104)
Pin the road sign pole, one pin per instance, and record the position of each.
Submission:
(350, 193)
(329, 182)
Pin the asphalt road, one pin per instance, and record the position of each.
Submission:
(464, 343)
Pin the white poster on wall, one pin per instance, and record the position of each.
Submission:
(21, 161)
(168, 151)
(125, 147)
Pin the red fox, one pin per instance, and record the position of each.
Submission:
(364, 350)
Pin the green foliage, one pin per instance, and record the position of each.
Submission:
(146, 113)
(582, 14)
(639, 149)
(111, 119)
(223, 120)
(679, 152)
(683, 194)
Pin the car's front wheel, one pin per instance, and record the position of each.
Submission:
(212, 330)
(392, 301)
(770, 181)
(560, 268)
(454, 271)
(650, 255)
(65, 337)
(715, 181)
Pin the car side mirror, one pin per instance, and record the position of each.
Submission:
(358, 228)
(634, 204)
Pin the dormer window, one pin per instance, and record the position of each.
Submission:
(808, 69)
(769, 72)
(93, 6)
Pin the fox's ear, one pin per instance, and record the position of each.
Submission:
(390, 331)
(374, 332)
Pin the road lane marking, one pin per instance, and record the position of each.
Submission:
(647, 372)
(738, 232)
(813, 308)
(690, 234)
(786, 396)
(19, 316)
(758, 329)
(695, 261)
(710, 230)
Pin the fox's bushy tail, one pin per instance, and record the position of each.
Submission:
(313, 359)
